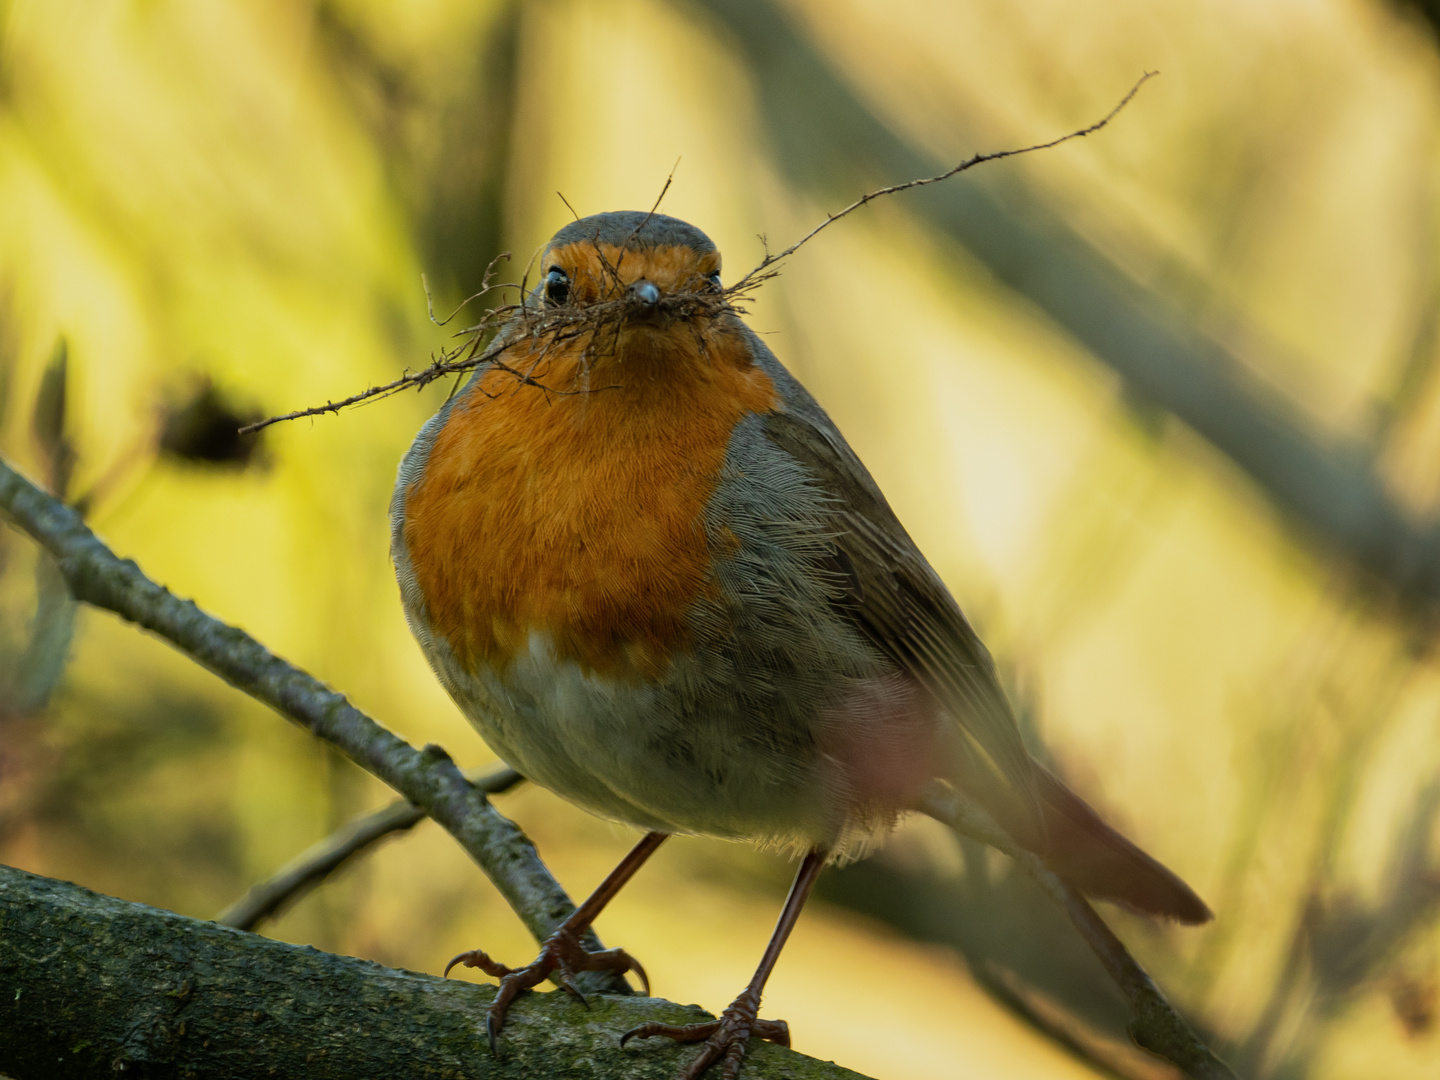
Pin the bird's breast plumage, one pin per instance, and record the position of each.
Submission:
(577, 512)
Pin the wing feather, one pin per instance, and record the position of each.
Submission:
(891, 594)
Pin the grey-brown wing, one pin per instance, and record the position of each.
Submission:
(897, 601)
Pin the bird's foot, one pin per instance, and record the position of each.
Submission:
(724, 1038)
(561, 958)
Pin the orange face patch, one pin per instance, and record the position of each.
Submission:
(578, 512)
(597, 270)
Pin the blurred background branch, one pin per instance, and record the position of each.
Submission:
(828, 143)
(1156, 1025)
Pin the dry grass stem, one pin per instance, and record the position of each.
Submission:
(540, 326)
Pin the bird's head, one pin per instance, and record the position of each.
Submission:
(629, 286)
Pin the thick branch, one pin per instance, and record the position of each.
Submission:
(93, 986)
(1157, 1026)
(428, 778)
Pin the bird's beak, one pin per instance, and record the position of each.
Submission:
(644, 299)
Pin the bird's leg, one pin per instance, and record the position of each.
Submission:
(726, 1037)
(562, 955)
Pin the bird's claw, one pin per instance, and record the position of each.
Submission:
(491, 1031)
(561, 957)
(566, 979)
(476, 958)
(724, 1038)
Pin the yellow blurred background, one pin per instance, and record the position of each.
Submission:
(210, 207)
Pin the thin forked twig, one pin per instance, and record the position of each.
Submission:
(968, 163)
(485, 287)
(643, 221)
(508, 325)
(563, 199)
(320, 861)
(450, 362)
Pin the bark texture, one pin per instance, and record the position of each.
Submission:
(94, 986)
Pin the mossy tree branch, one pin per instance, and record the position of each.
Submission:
(94, 986)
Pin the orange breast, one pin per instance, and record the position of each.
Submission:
(580, 515)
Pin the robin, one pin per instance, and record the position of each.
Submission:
(649, 569)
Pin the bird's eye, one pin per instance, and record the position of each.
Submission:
(714, 279)
(557, 285)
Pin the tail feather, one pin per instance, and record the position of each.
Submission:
(1079, 846)
(1072, 839)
